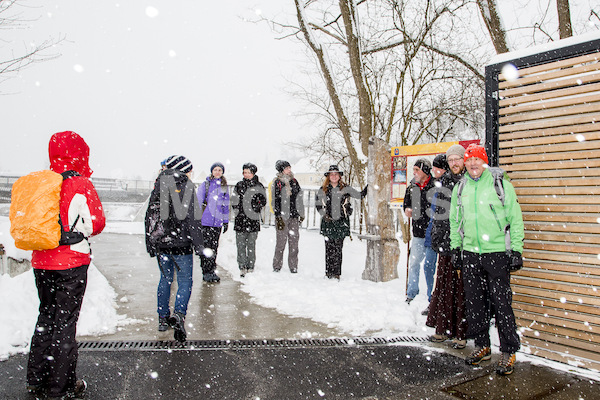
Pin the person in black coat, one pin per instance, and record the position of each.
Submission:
(173, 234)
(249, 199)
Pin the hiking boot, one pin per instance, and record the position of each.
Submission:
(425, 311)
(163, 324)
(78, 391)
(437, 338)
(37, 390)
(459, 344)
(243, 272)
(408, 300)
(478, 355)
(506, 364)
(250, 270)
(177, 321)
(211, 277)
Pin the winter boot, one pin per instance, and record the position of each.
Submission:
(177, 321)
(478, 355)
(37, 390)
(243, 272)
(506, 364)
(437, 338)
(77, 392)
(211, 277)
(163, 324)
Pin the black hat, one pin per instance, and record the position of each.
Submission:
(280, 165)
(424, 165)
(180, 163)
(334, 168)
(440, 162)
(251, 167)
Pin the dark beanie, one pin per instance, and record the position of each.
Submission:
(440, 162)
(217, 164)
(424, 165)
(251, 167)
(280, 165)
(179, 163)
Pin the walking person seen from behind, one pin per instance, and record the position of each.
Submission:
(478, 222)
(61, 274)
(249, 199)
(214, 197)
(333, 203)
(288, 207)
(173, 234)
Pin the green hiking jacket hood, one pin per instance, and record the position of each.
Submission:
(485, 217)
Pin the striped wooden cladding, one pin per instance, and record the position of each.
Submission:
(549, 141)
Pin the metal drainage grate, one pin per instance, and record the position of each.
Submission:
(153, 345)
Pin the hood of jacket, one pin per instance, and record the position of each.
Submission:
(69, 152)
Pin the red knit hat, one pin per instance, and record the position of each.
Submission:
(475, 150)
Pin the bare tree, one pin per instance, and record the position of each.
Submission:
(564, 18)
(493, 23)
(17, 59)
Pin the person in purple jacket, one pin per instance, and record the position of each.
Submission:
(214, 197)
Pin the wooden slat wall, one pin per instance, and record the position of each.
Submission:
(549, 140)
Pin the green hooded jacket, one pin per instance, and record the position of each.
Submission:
(485, 217)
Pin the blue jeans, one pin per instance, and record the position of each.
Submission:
(419, 253)
(167, 262)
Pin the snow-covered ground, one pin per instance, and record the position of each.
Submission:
(360, 307)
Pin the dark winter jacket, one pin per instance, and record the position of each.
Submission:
(335, 209)
(183, 221)
(420, 206)
(440, 231)
(215, 202)
(287, 197)
(248, 200)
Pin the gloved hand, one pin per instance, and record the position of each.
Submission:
(225, 227)
(300, 220)
(364, 192)
(515, 261)
(279, 224)
(327, 218)
(456, 259)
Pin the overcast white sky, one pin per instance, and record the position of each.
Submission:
(141, 81)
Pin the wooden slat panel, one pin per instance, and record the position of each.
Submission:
(557, 354)
(547, 294)
(550, 123)
(552, 148)
(545, 96)
(558, 313)
(564, 248)
(558, 191)
(559, 200)
(542, 87)
(535, 254)
(560, 277)
(565, 323)
(551, 166)
(559, 330)
(548, 105)
(552, 113)
(587, 270)
(571, 228)
(548, 340)
(551, 217)
(539, 69)
(590, 239)
(562, 130)
(578, 208)
(549, 76)
(550, 181)
(587, 172)
(563, 287)
(557, 304)
(570, 138)
(575, 155)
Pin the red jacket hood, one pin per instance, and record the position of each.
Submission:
(69, 152)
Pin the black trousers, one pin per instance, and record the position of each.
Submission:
(333, 256)
(208, 258)
(486, 279)
(53, 352)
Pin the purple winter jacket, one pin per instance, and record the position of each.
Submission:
(216, 212)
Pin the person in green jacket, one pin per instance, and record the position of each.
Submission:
(477, 240)
(333, 203)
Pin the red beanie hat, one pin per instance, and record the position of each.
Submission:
(475, 150)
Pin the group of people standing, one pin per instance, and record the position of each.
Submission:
(181, 221)
(466, 217)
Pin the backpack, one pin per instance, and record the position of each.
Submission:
(498, 174)
(35, 212)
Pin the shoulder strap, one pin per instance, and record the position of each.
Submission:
(498, 174)
(206, 186)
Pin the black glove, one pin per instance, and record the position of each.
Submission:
(456, 259)
(363, 192)
(225, 227)
(300, 220)
(515, 261)
(279, 224)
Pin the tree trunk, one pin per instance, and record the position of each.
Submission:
(493, 23)
(564, 19)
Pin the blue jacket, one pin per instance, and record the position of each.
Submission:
(216, 202)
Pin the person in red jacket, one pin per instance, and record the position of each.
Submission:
(61, 273)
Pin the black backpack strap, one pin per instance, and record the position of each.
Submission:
(70, 237)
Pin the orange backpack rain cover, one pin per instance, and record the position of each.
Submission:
(34, 211)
